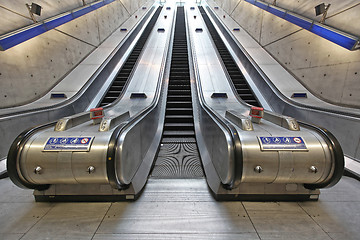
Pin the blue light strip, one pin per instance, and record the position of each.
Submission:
(16, 37)
(340, 38)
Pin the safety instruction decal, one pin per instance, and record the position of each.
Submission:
(68, 144)
(282, 143)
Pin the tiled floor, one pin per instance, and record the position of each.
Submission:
(181, 209)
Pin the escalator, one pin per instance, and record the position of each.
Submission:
(237, 171)
(115, 151)
(123, 75)
(121, 149)
(178, 155)
(242, 87)
(89, 91)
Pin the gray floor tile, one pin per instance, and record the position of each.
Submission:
(181, 209)
(10, 236)
(176, 217)
(280, 217)
(344, 236)
(347, 190)
(278, 207)
(240, 236)
(283, 222)
(335, 217)
(176, 190)
(318, 235)
(11, 193)
(52, 236)
(20, 217)
(69, 221)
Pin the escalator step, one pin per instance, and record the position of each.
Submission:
(177, 98)
(247, 96)
(179, 133)
(113, 93)
(116, 88)
(179, 82)
(178, 140)
(181, 111)
(178, 118)
(244, 91)
(179, 92)
(236, 78)
(109, 99)
(179, 127)
(179, 87)
(179, 77)
(241, 85)
(178, 104)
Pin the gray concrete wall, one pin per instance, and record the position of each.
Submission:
(15, 14)
(32, 68)
(329, 71)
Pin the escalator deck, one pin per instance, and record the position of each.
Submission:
(240, 84)
(123, 75)
(178, 155)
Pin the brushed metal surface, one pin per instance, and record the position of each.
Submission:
(65, 167)
(141, 139)
(72, 167)
(240, 120)
(278, 166)
(216, 142)
(12, 124)
(274, 84)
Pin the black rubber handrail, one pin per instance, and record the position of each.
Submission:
(230, 129)
(111, 152)
(111, 156)
(13, 165)
(337, 155)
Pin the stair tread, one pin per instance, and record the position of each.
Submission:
(179, 124)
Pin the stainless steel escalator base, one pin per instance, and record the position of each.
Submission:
(84, 193)
(259, 192)
(263, 192)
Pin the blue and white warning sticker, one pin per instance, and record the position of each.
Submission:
(68, 144)
(282, 143)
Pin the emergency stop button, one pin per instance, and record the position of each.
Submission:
(96, 114)
(256, 113)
